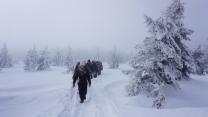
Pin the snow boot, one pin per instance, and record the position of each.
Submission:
(82, 101)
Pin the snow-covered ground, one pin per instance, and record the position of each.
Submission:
(49, 94)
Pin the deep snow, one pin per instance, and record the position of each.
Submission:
(49, 94)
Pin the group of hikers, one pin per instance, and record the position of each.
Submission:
(84, 72)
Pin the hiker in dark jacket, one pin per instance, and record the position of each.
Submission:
(90, 67)
(99, 66)
(95, 69)
(82, 74)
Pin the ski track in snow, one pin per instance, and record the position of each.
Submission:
(97, 104)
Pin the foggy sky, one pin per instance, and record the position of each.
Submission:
(89, 23)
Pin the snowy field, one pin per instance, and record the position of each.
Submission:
(49, 94)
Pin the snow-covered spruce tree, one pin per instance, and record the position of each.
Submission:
(174, 16)
(204, 60)
(198, 56)
(58, 59)
(44, 60)
(205, 63)
(114, 59)
(69, 62)
(31, 60)
(163, 58)
(5, 58)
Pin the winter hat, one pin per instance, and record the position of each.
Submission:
(82, 64)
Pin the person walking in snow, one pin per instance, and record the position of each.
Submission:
(90, 68)
(99, 67)
(95, 69)
(82, 74)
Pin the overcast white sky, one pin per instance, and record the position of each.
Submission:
(88, 23)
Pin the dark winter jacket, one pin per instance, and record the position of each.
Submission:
(77, 66)
(94, 66)
(99, 65)
(82, 75)
(90, 67)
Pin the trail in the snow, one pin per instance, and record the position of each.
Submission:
(98, 103)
